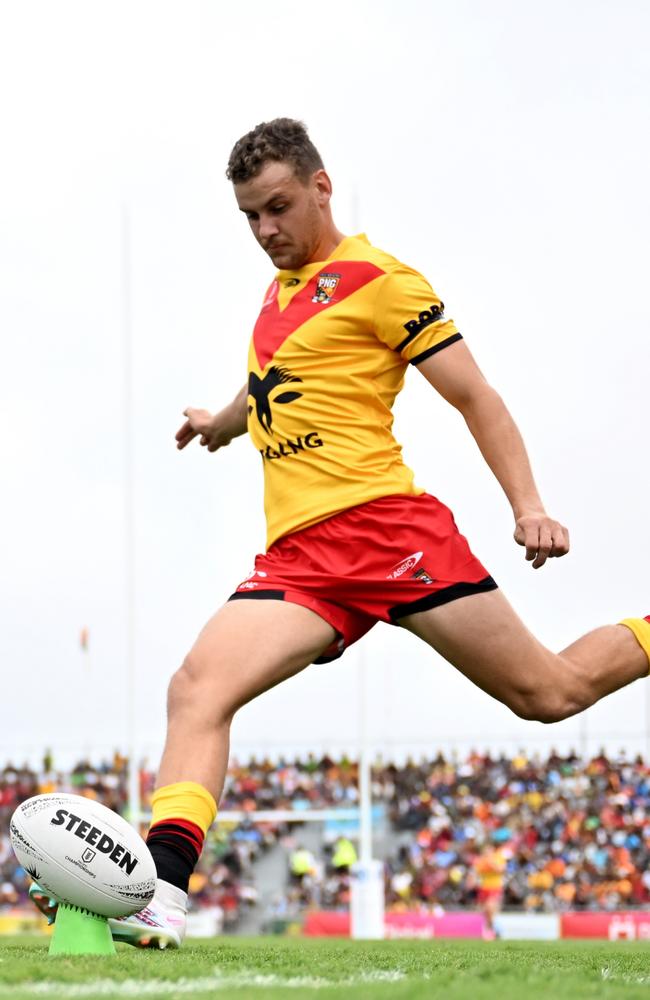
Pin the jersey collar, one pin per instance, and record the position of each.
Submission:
(343, 251)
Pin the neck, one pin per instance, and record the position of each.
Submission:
(328, 242)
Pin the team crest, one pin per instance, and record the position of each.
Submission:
(325, 287)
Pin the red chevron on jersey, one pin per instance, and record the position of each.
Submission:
(326, 360)
(273, 326)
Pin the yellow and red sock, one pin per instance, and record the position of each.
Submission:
(181, 816)
(640, 627)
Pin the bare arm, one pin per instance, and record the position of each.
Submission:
(456, 376)
(217, 430)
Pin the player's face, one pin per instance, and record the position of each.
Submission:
(287, 216)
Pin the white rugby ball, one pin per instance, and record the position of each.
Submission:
(83, 854)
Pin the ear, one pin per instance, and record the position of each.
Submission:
(323, 186)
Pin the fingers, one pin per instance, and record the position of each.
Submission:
(542, 537)
(185, 435)
(210, 443)
(198, 422)
(544, 546)
(202, 424)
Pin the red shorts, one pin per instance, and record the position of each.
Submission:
(490, 895)
(380, 561)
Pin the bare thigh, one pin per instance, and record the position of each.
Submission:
(245, 649)
(248, 647)
(486, 640)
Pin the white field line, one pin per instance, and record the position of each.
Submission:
(204, 984)
(621, 977)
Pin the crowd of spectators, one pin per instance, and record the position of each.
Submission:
(539, 834)
(223, 880)
(547, 834)
(106, 782)
(312, 783)
(317, 879)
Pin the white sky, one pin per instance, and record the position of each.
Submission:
(502, 148)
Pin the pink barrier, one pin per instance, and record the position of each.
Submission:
(408, 925)
(626, 925)
(464, 925)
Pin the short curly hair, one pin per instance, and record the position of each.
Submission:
(283, 140)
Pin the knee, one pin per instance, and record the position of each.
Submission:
(551, 699)
(193, 694)
(182, 691)
(542, 706)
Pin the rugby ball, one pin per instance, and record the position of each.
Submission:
(83, 854)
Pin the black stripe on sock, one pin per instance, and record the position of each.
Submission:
(172, 831)
(175, 853)
(172, 865)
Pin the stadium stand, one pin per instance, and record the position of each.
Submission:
(542, 835)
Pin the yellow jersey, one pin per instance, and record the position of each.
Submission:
(326, 360)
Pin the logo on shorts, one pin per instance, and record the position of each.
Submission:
(327, 284)
(248, 582)
(404, 566)
(261, 388)
(421, 574)
(255, 572)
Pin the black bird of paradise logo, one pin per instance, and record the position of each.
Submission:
(261, 388)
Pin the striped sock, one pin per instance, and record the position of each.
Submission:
(181, 815)
(641, 629)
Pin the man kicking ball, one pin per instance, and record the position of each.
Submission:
(352, 540)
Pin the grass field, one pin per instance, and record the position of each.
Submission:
(277, 969)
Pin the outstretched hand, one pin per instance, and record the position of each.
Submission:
(201, 422)
(542, 537)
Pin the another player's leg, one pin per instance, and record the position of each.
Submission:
(486, 640)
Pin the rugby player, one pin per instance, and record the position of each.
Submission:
(352, 539)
